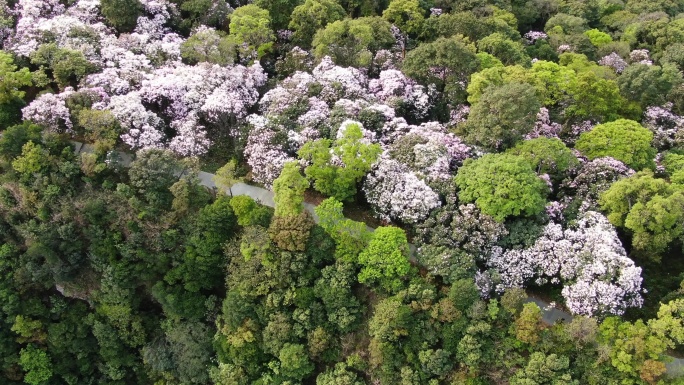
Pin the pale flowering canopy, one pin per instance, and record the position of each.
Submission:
(142, 126)
(588, 259)
(395, 192)
(613, 60)
(50, 111)
(191, 137)
(265, 157)
(665, 125)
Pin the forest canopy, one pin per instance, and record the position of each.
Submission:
(339, 192)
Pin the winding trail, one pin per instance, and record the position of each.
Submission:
(550, 314)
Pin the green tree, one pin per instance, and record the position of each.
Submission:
(250, 26)
(289, 190)
(190, 347)
(501, 185)
(355, 155)
(341, 374)
(650, 208)
(446, 62)
(624, 140)
(14, 138)
(598, 38)
(34, 159)
(291, 232)
(226, 177)
(622, 195)
(122, 14)
(649, 85)
(209, 46)
(528, 324)
(250, 213)
(312, 16)
(353, 42)
(502, 116)
(101, 127)
(36, 363)
(656, 223)
(385, 259)
(595, 98)
(12, 79)
(294, 362)
(508, 51)
(546, 156)
(545, 369)
(68, 66)
(152, 173)
(280, 11)
(391, 320)
(405, 14)
(351, 237)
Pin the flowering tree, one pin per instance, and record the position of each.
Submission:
(394, 192)
(264, 155)
(142, 127)
(594, 178)
(588, 259)
(665, 125)
(50, 111)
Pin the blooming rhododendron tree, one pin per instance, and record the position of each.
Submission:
(394, 192)
(50, 111)
(588, 259)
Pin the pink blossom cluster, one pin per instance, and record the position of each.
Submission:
(588, 259)
(596, 177)
(576, 130)
(544, 127)
(394, 88)
(458, 114)
(395, 192)
(640, 56)
(142, 127)
(665, 125)
(613, 60)
(564, 48)
(531, 37)
(455, 151)
(191, 137)
(50, 111)
(265, 157)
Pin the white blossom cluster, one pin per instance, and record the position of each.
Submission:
(613, 60)
(588, 259)
(395, 192)
(596, 177)
(265, 157)
(50, 111)
(544, 126)
(531, 37)
(665, 125)
(140, 77)
(640, 56)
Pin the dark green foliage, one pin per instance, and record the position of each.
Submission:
(353, 42)
(10, 113)
(446, 62)
(502, 116)
(122, 14)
